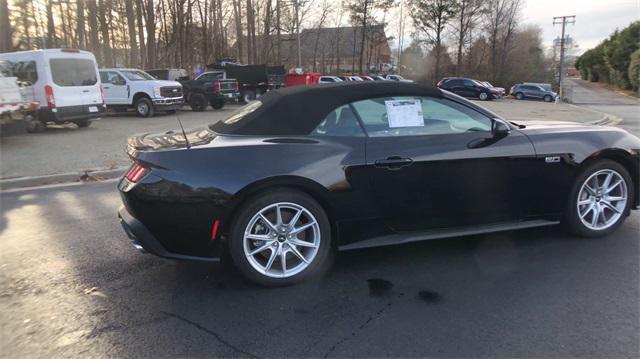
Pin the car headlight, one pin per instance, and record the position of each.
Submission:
(156, 92)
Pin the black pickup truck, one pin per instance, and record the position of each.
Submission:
(207, 88)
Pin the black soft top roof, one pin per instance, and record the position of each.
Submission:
(298, 110)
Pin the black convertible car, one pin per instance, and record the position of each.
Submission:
(288, 179)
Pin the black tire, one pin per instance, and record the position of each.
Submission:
(248, 96)
(36, 126)
(83, 123)
(520, 96)
(547, 98)
(572, 219)
(218, 104)
(318, 264)
(144, 107)
(198, 102)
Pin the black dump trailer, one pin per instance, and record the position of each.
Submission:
(253, 80)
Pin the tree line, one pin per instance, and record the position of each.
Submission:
(475, 38)
(615, 61)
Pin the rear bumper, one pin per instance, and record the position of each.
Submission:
(143, 240)
(72, 113)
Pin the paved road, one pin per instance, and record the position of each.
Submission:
(600, 99)
(71, 285)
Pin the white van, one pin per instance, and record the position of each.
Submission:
(65, 82)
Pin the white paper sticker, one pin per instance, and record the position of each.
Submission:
(404, 113)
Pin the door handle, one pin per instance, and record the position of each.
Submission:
(106, 87)
(393, 163)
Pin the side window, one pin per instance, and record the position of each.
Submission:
(26, 72)
(339, 122)
(109, 77)
(468, 83)
(104, 77)
(438, 116)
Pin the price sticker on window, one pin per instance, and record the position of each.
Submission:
(404, 113)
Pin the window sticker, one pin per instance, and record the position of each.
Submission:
(404, 113)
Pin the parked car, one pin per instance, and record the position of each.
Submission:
(367, 78)
(467, 88)
(329, 79)
(17, 112)
(64, 82)
(209, 87)
(397, 78)
(377, 77)
(134, 88)
(354, 165)
(253, 80)
(499, 90)
(169, 74)
(521, 92)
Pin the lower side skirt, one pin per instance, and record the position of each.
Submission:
(393, 239)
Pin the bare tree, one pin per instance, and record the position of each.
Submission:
(361, 16)
(468, 13)
(325, 10)
(5, 28)
(431, 17)
(131, 27)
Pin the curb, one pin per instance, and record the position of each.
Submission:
(84, 176)
(607, 119)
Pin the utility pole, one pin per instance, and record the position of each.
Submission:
(562, 20)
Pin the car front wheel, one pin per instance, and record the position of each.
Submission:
(280, 237)
(519, 95)
(600, 199)
(144, 107)
(547, 98)
(484, 96)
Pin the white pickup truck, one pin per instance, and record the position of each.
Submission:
(133, 88)
(18, 111)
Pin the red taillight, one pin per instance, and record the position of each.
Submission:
(102, 92)
(214, 231)
(217, 86)
(136, 172)
(51, 100)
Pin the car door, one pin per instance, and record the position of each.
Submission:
(116, 90)
(470, 89)
(449, 170)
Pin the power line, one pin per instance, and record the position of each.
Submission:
(562, 20)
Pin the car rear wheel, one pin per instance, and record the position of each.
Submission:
(144, 107)
(520, 96)
(483, 96)
(217, 104)
(35, 125)
(198, 102)
(83, 123)
(248, 96)
(280, 237)
(547, 98)
(600, 199)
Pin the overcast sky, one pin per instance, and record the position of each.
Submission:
(595, 19)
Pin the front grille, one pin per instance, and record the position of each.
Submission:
(171, 91)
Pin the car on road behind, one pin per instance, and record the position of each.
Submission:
(133, 88)
(534, 92)
(500, 90)
(209, 88)
(397, 78)
(303, 171)
(328, 79)
(466, 87)
(65, 83)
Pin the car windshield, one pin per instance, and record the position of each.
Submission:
(136, 75)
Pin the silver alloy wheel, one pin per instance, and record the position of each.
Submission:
(281, 240)
(483, 96)
(602, 199)
(143, 108)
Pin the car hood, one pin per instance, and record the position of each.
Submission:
(166, 83)
(169, 140)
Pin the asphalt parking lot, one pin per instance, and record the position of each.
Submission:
(72, 285)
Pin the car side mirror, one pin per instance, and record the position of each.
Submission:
(499, 128)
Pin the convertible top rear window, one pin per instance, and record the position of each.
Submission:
(298, 110)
